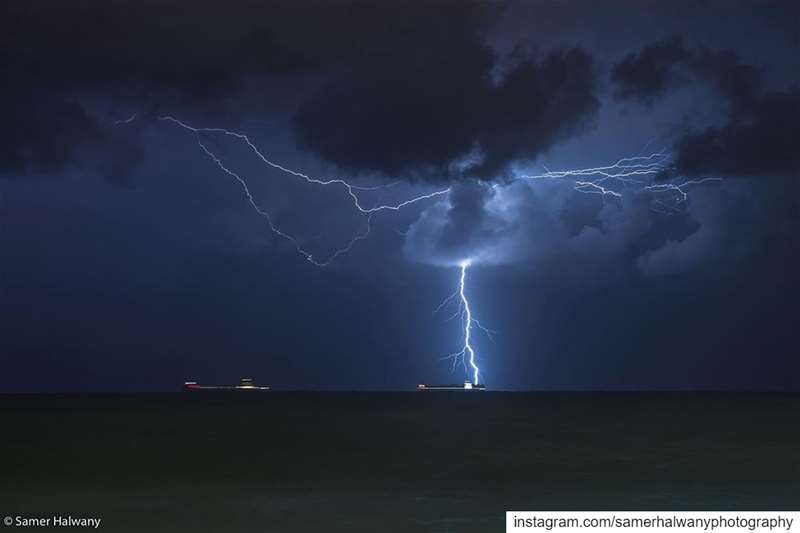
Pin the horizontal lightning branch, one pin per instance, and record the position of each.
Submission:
(636, 174)
(630, 173)
(349, 189)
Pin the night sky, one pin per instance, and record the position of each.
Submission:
(130, 262)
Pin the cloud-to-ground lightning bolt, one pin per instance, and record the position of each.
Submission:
(466, 355)
(636, 175)
(349, 188)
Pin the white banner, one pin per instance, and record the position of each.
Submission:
(652, 521)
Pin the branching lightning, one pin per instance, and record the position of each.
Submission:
(630, 174)
(466, 355)
(350, 189)
(634, 174)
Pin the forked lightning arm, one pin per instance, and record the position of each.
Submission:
(466, 355)
(630, 173)
(350, 189)
(636, 174)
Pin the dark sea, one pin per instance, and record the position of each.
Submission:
(418, 462)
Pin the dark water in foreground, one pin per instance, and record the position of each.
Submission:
(284, 462)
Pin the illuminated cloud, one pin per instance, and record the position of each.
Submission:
(551, 228)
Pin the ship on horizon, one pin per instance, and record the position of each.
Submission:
(466, 386)
(246, 384)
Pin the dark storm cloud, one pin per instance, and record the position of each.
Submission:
(662, 66)
(68, 68)
(405, 89)
(759, 136)
(417, 112)
(198, 51)
(647, 74)
(407, 100)
(42, 134)
(762, 141)
(725, 71)
(45, 133)
(72, 69)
